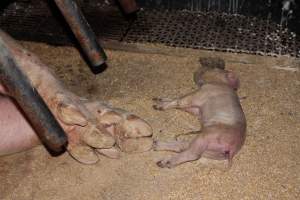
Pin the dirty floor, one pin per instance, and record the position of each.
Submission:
(267, 167)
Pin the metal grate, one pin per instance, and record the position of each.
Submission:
(214, 31)
(199, 30)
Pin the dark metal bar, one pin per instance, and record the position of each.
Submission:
(128, 6)
(82, 31)
(18, 85)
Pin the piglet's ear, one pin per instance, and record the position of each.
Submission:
(233, 80)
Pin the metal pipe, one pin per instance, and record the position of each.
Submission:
(19, 87)
(82, 31)
(128, 6)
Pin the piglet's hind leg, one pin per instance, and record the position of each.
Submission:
(176, 146)
(181, 143)
(185, 103)
(194, 152)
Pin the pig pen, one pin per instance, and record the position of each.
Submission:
(267, 167)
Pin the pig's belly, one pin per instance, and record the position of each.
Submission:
(16, 134)
(228, 118)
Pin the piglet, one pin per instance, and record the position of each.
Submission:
(218, 108)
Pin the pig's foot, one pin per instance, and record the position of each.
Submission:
(83, 154)
(184, 103)
(132, 134)
(17, 134)
(178, 159)
(163, 103)
(193, 152)
(84, 132)
(176, 146)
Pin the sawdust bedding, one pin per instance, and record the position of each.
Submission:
(267, 167)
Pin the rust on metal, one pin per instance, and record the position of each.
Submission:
(82, 31)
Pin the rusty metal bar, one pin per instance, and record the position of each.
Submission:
(18, 85)
(82, 31)
(128, 6)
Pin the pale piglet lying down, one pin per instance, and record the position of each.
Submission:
(91, 128)
(218, 108)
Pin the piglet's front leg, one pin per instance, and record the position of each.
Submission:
(164, 103)
(186, 103)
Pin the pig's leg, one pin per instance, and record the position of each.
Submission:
(176, 146)
(186, 103)
(181, 143)
(83, 131)
(194, 152)
(164, 103)
(16, 134)
(178, 103)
